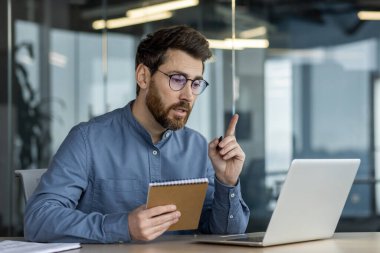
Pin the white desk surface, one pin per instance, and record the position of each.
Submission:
(341, 242)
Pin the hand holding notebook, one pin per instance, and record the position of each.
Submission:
(165, 202)
(147, 224)
(187, 195)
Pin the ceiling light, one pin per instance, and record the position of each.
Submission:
(128, 21)
(238, 44)
(369, 15)
(222, 44)
(255, 32)
(157, 8)
(246, 43)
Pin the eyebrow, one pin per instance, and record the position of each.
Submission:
(186, 75)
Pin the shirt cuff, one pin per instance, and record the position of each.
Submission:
(116, 228)
(227, 195)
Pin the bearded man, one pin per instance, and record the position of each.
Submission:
(96, 185)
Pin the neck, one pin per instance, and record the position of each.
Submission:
(142, 114)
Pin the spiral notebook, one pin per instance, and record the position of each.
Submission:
(188, 195)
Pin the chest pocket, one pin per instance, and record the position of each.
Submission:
(115, 196)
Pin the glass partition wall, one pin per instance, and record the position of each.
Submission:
(302, 76)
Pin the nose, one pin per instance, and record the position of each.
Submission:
(187, 92)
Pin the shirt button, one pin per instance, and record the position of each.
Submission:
(231, 216)
(167, 134)
(232, 195)
(155, 152)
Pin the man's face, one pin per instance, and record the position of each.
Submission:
(161, 112)
(171, 109)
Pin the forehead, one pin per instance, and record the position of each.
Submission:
(182, 61)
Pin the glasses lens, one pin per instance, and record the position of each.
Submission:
(177, 82)
(198, 86)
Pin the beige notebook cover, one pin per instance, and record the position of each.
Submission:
(187, 195)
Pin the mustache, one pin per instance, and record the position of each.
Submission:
(181, 104)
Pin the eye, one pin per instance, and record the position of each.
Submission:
(197, 84)
(179, 79)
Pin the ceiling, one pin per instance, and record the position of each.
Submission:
(213, 17)
(309, 10)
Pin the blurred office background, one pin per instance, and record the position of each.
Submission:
(303, 75)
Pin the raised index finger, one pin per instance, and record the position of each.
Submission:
(232, 126)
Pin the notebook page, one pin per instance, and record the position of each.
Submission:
(10, 246)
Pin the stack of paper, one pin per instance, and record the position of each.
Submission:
(9, 246)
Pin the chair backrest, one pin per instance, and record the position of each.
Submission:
(30, 179)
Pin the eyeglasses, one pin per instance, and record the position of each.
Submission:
(178, 82)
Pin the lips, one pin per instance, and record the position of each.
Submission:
(181, 109)
(180, 112)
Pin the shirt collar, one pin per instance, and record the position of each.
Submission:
(141, 130)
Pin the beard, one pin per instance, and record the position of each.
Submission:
(161, 114)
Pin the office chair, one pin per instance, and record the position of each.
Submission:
(30, 179)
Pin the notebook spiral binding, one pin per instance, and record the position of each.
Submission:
(180, 182)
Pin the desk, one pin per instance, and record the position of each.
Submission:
(341, 243)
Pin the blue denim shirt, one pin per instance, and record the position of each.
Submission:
(101, 173)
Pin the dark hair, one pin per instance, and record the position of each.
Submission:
(152, 49)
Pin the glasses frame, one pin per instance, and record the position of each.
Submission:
(187, 79)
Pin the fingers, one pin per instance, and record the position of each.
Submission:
(229, 148)
(163, 223)
(158, 210)
(219, 145)
(232, 126)
(165, 218)
(153, 231)
(147, 224)
(228, 143)
(159, 230)
(235, 153)
(213, 144)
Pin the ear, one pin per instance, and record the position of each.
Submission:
(142, 76)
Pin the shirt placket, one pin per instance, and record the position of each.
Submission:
(155, 164)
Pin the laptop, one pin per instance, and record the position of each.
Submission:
(308, 208)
